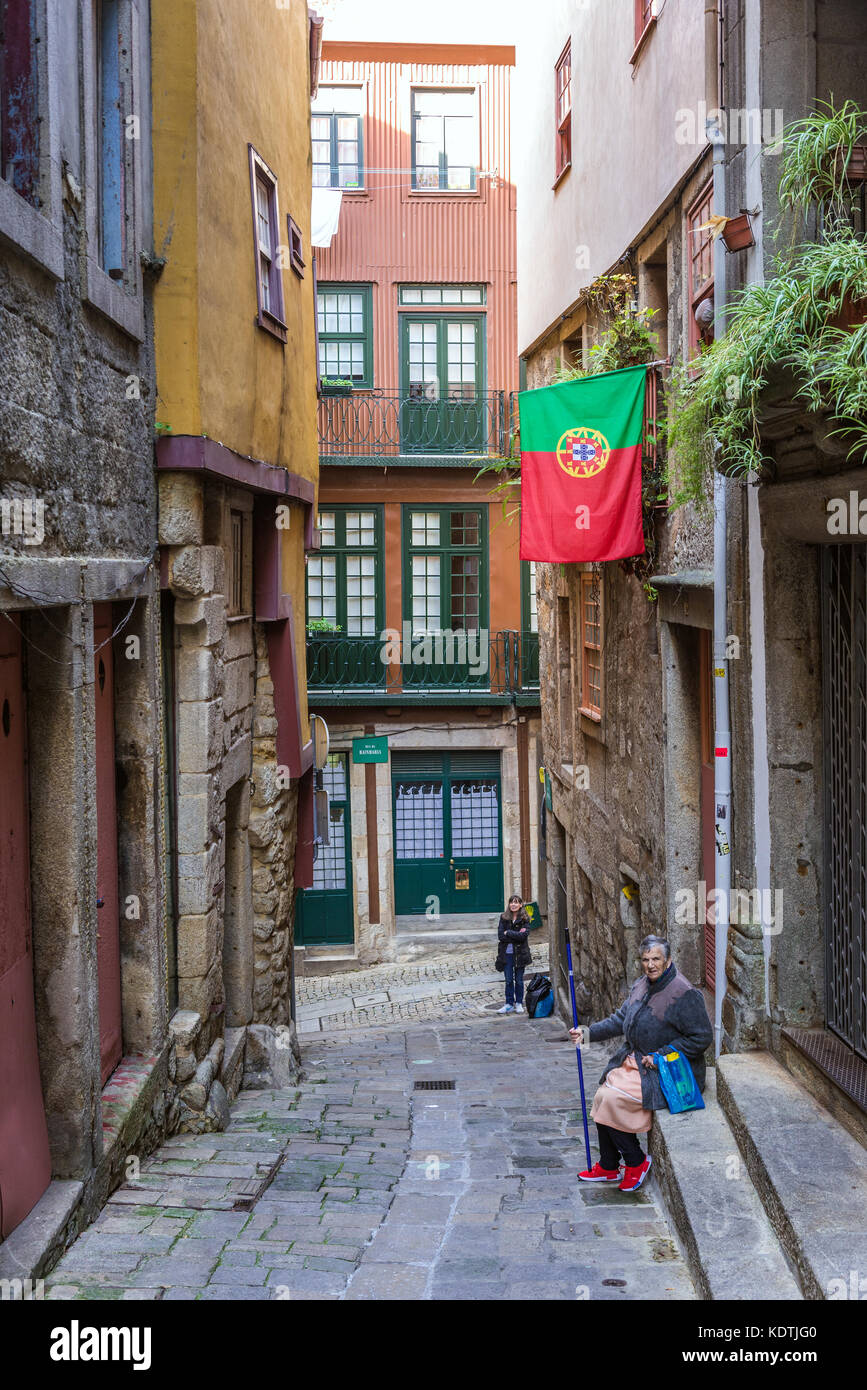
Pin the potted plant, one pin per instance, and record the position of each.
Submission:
(738, 233)
(336, 386)
(320, 627)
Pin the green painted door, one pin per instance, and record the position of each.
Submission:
(325, 914)
(447, 832)
(443, 407)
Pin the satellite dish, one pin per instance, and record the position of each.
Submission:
(321, 741)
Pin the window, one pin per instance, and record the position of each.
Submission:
(444, 140)
(269, 276)
(445, 581)
(529, 597)
(241, 564)
(19, 98)
(329, 866)
(700, 257)
(296, 246)
(646, 13)
(338, 142)
(345, 317)
(441, 294)
(114, 86)
(591, 646)
(563, 111)
(344, 584)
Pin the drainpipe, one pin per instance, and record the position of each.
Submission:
(722, 720)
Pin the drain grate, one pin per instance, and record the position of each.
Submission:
(434, 1086)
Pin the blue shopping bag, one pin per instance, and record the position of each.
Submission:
(678, 1082)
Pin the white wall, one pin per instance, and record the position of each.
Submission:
(410, 21)
(626, 154)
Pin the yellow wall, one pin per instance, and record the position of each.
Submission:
(228, 73)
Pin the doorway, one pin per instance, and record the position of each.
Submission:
(25, 1164)
(447, 832)
(107, 914)
(325, 910)
(442, 385)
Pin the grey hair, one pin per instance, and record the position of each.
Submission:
(650, 941)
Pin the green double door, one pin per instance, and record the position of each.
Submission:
(324, 914)
(443, 408)
(448, 854)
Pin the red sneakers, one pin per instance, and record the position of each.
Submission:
(634, 1177)
(599, 1174)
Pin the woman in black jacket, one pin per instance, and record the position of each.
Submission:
(513, 955)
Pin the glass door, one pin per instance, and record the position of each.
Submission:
(325, 912)
(443, 408)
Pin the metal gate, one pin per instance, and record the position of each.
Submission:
(844, 645)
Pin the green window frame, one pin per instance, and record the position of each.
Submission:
(345, 578)
(529, 602)
(449, 296)
(345, 319)
(337, 136)
(445, 567)
(444, 139)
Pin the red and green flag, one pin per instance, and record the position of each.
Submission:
(581, 468)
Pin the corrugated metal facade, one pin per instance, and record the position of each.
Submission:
(390, 235)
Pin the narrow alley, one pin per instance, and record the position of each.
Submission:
(430, 1161)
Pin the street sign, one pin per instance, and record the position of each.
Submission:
(370, 750)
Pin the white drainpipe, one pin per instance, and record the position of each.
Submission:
(722, 722)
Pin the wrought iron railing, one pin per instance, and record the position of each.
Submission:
(499, 664)
(390, 424)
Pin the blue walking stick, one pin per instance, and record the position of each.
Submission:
(578, 1047)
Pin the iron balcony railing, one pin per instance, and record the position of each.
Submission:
(390, 424)
(501, 664)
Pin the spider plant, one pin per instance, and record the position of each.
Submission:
(817, 154)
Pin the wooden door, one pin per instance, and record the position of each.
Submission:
(326, 909)
(25, 1164)
(107, 916)
(708, 819)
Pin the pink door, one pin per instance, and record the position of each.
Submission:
(25, 1164)
(108, 932)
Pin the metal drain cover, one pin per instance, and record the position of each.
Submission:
(434, 1086)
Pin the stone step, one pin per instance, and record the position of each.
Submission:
(324, 960)
(807, 1169)
(724, 1231)
(414, 945)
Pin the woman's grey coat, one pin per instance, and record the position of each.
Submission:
(670, 1013)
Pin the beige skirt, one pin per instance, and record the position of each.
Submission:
(617, 1102)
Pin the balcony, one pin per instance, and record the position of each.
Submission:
(391, 427)
(442, 668)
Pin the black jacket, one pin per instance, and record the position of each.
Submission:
(653, 1018)
(516, 934)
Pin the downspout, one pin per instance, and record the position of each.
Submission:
(722, 717)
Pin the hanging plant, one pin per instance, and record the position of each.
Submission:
(804, 320)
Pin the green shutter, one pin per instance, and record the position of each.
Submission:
(422, 763)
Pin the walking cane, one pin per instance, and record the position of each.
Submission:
(578, 1047)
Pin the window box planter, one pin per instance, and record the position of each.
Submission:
(334, 386)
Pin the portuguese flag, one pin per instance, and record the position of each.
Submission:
(581, 468)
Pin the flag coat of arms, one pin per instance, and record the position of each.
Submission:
(581, 468)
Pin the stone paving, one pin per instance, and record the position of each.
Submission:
(371, 1189)
(462, 984)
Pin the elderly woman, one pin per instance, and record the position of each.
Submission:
(663, 1010)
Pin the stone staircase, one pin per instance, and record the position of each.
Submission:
(766, 1189)
(418, 936)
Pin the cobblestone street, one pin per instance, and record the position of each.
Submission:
(461, 984)
(354, 1184)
